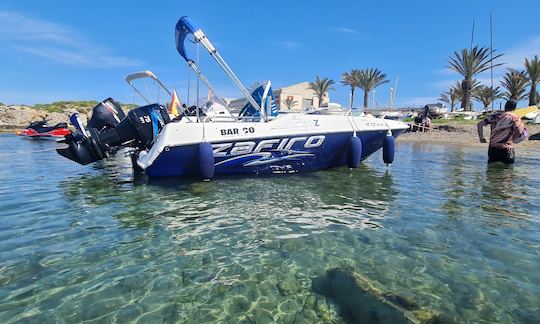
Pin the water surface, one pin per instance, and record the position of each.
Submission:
(93, 244)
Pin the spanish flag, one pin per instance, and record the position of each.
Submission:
(173, 109)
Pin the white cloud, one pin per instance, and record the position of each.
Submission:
(56, 42)
(344, 30)
(515, 56)
(349, 33)
(486, 80)
(443, 85)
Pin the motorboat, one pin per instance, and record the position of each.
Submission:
(212, 140)
(41, 130)
(395, 115)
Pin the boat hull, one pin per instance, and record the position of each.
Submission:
(288, 145)
(55, 134)
(333, 152)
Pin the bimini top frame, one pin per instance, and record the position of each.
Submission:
(185, 27)
(143, 75)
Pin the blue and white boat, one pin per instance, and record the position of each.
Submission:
(258, 140)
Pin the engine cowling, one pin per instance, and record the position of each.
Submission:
(138, 129)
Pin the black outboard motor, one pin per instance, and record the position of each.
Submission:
(107, 114)
(138, 129)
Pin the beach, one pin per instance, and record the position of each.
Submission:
(457, 134)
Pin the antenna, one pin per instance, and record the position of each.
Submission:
(394, 93)
(491, 53)
(472, 34)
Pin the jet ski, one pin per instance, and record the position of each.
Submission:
(40, 130)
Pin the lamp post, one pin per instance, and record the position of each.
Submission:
(390, 99)
(373, 102)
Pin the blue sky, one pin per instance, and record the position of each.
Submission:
(82, 50)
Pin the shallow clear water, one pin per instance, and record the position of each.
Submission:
(93, 244)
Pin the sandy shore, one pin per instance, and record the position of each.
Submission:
(456, 135)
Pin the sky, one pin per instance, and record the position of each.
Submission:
(82, 50)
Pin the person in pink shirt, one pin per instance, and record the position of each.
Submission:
(506, 130)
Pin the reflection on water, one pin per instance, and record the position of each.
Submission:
(440, 226)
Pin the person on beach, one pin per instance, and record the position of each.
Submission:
(506, 130)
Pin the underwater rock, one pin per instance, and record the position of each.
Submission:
(162, 283)
(361, 301)
(289, 307)
(207, 259)
(287, 286)
(239, 305)
(310, 315)
(128, 313)
(260, 316)
(222, 289)
(133, 283)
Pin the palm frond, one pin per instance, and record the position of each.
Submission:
(486, 95)
(515, 83)
(443, 97)
(321, 86)
(290, 103)
(369, 79)
(471, 62)
(532, 68)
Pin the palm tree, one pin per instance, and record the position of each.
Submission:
(457, 90)
(454, 95)
(444, 98)
(351, 79)
(290, 103)
(533, 75)
(450, 97)
(486, 95)
(321, 86)
(515, 83)
(369, 79)
(469, 63)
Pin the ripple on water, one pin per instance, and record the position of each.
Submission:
(93, 244)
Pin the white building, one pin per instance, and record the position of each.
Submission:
(300, 96)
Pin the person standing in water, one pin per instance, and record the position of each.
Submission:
(506, 129)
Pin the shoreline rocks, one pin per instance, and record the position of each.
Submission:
(16, 117)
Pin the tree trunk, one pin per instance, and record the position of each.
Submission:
(352, 96)
(466, 102)
(532, 95)
(366, 96)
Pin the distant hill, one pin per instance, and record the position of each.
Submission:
(13, 117)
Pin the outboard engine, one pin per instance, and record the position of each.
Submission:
(138, 129)
(107, 114)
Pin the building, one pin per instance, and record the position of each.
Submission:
(299, 96)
